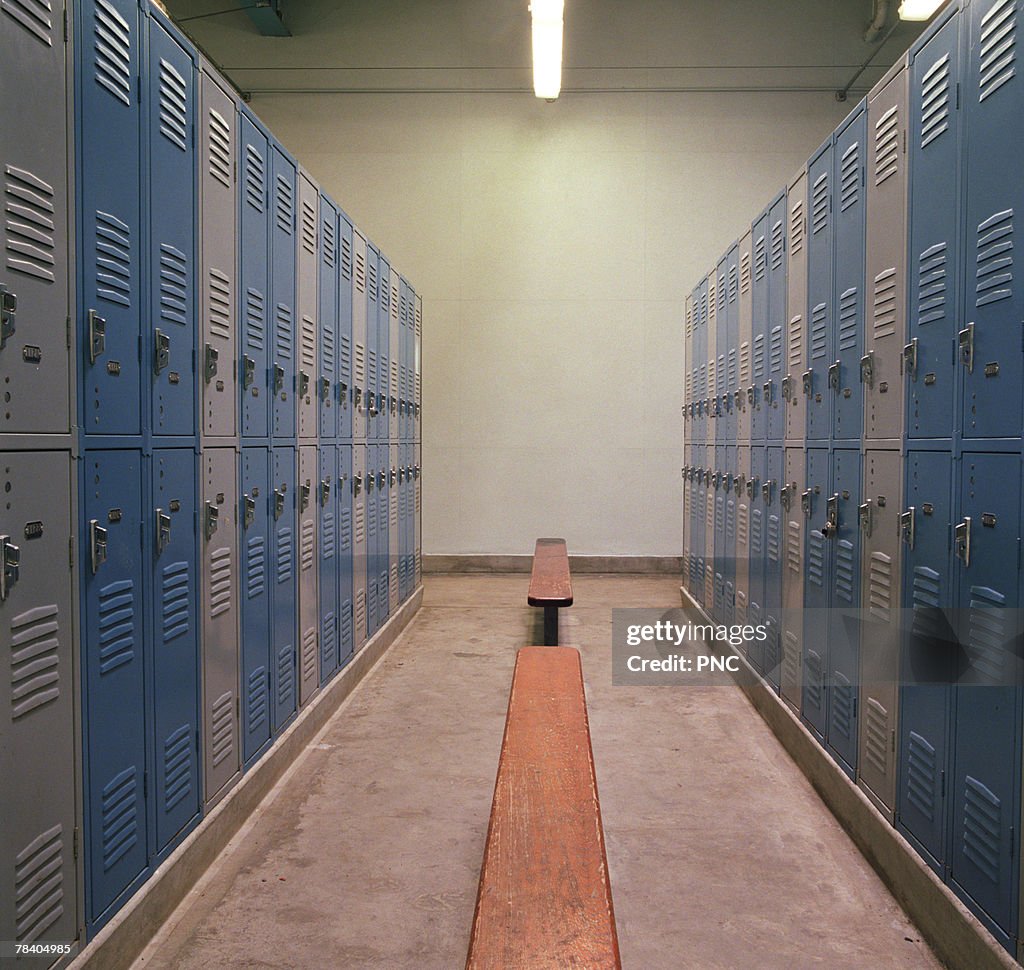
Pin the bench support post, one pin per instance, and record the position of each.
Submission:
(550, 626)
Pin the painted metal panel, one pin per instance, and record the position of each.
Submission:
(718, 498)
(775, 328)
(820, 311)
(709, 527)
(758, 541)
(742, 534)
(792, 397)
(309, 604)
(345, 525)
(394, 529)
(328, 538)
(732, 323)
(406, 337)
(418, 509)
(793, 521)
(774, 545)
(38, 748)
(761, 241)
(744, 338)
(381, 422)
(373, 299)
(360, 366)
(359, 546)
(308, 298)
(817, 583)
(396, 353)
(711, 355)
(418, 380)
(284, 611)
(383, 533)
(327, 346)
(283, 259)
(344, 337)
(729, 552)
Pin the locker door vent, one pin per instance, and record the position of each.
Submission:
(796, 227)
(743, 526)
(328, 537)
(174, 601)
(778, 245)
(178, 766)
(719, 514)
(360, 536)
(283, 332)
(841, 721)
(845, 566)
(745, 274)
(308, 343)
(733, 282)
(732, 367)
(730, 522)
(819, 204)
(308, 545)
(711, 377)
(255, 178)
(922, 776)
(345, 543)
(327, 349)
(285, 678)
(884, 308)
(308, 227)
(255, 319)
(36, 17)
(720, 375)
(982, 827)
(819, 332)
(887, 145)
(775, 351)
(710, 509)
(849, 177)
(998, 47)
(173, 106)
(760, 259)
(39, 885)
(932, 270)
(284, 555)
(28, 239)
(116, 625)
(220, 148)
(361, 610)
(876, 736)
(112, 45)
(880, 586)
(220, 304)
(816, 558)
(755, 532)
(759, 357)
(745, 362)
(704, 307)
(222, 727)
(796, 343)
(221, 581)
(360, 375)
(813, 682)
(793, 547)
(119, 811)
(345, 357)
(848, 304)
(255, 567)
(256, 698)
(790, 657)
(346, 624)
(986, 637)
(174, 280)
(926, 595)
(113, 259)
(284, 205)
(35, 659)
(995, 259)
(328, 241)
(712, 299)
(774, 537)
(346, 258)
(935, 98)
(328, 641)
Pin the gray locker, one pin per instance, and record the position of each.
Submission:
(796, 336)
(793, 575)
(38, 749)
(885, 332)
(216, 363)
(219, 537)
(34, 280)
(709, 526)
(309, 605)
(396, 358)
(743, 342)
(417, 396)
(306, 377)
(360, 405)
(711, 407)
(394, 529)
(687, 366)
(359, 562)
(418, 502)
(742, 534)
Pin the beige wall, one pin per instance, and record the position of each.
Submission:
(552, 243)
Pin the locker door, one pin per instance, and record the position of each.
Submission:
(729, 553)
(929, 647)
(34, 275)
(759, 330)
(714, 431)
(328, 344)
(934, 227)
(217, 243)
(880, 638)
(254, 281)
(38, 751)
(372, 337)
(793, 401)
(345, 629)
(417, 387)
(359, 317)
(742, 533)
(991, 357)
(986, 745)
(308, 296)
(404, 365)
(344, 395)
(371, 540)
(743, 340)
(418, 507)
(817, 579)
(709, 528)
(283, 257)
(383, 349)
(697, 523)
(775, 417)
(114, 733)
(404, 544)
(792, 575)
(175, 639)
(284, 612)
(814, 381)
(360, 485)
(257, 652)
(755, 609)
(220, 619)
(309, 604)
(394, 530)
(732, 324)
(171, 337)
(770, 491)
(395, 353)
(109, 220)
(327, 580)
(848, 178)
(718, 554)
(886, 254)
(383, 537)
(844, 620)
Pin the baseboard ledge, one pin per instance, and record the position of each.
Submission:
(657, 565)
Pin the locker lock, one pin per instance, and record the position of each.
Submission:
(833, 375)
(248, 372)
(97, 335)
(357, 484)
(907, 526)
(965, 340)
(394, 405)
(210, 365)
(807, 382)
(382, 481)
(357, 398)
(401, 475)
(768, 398)
(831, 526)
(766, 491)
(737, 484)
(278, 379)
(97, 545)
(371, 478)
(325, 491)
(343, 394)
(212, 517)
(751, 487)
(394, 477)
(738, 396)
(787, 388)
(865, 517)
(908, 360)
(867, 369)
(8, 314)
(962, 541)
(304, 490)
(303, 383)
(11, 562)
(248, 510)
(325, 390)
(161, 351)
(785, 496)
(278, 503)
(727, 481)
(806, 497)
(750, 395)
(371, 401)
(163, 530)
(716, 480)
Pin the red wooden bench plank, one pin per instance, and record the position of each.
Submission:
(545, 899)
(550, 584)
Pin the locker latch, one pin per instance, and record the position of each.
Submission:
(908, 360)
(766, 491)
(864, 516)
(371, 479)
(394, 405)
(962, 541)
(325, 389)
(401, 475)
(11, 556)
(750, 395)
(210, 363)
(751, 487)
(907, 527)
(357, 484)
(966, 343)
(833, 375)
(304, 490)
(738, 397)
(416, 472)
(161, 351)
(787, 388)
(807, 380)
(394, 477)
(867, 369)
(248, 372)
(831, 526)
(8, 314)
(163, 530)
(97, 335)
(278, 503)
(303, 383)
(212, 515)
(325, 492)
(343, 394)
(767, 389)
(382, 481)
(97, 545)
(805, 502)
(248, 510)
(727, 481)
(357, 398)
(738, 484)
(715, 480)
(278, 379)
(785, 496)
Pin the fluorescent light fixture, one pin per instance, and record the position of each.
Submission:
(547, 48)
(919, 9)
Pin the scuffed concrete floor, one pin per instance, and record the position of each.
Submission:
(367, 854)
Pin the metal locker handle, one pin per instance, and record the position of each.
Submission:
(727, 481)
(325, 390)
(750, 395)
(785, 496)
(343, 394)
(766, 491)
(357, 399)
(908, 360)
(278, 379)
(325, 492)
(867, 369)
(907, 527)
(394, 477)
(210, 366)
(97, 335)
(416, 472)
(864, 514)
(163, 530)
(212, 517)
(833, 375)
(787, 388)
(807, 380)
(8, 314)
(806, 497)
(831, 525)
(370, 479)
(751, 487)
(965, 340)
(11, 566)
(97, 545)
(357, 484)
(401, 475)
(738, 397)
(715, 480)
(962, 541)
(248, 510)
(394, 405)
(304, 490)
(382, 481)
(303, 383)
(767, 392)
(161, 351)
(738, 484)
(248, 372)
(278, 503)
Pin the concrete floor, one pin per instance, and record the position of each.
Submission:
(367, 854)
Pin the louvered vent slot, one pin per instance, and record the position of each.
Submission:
(255, 567)
(113, 259)
(220, 148)
(819, 204)
(328, 536)
(178, 766)
(982, 827)
(175, 596)
(884, 307)
(39, 885)
(932, 272)
(816, 558)
(730, 521)
(987, 635)
(35, 660)
(922, 775)
(255, 178)
(284, 205)
(842, 706)
(732, 367)
(935, 97)
(346, 258)
(819, 332)
(712, 299)
(119, 816)
(308, 544)
(256, 698)
(309, 671)
(733, 282)
(284, 555)
(887, 145)
(743, 525)
(371, 282)
(719, 514)
(759, 357)
(791, 657)
(926, 594)
(760, 259)
(308, 227)
(880, 586)
(112, 46)
(221, 582)
(845, 566)
(848, 313)
(174, 277)
(361, 610)
(793, 547)
(327, 350)
(998, 48)
(116, 625)
(709, 507)
(36, 16)
(711, 375)
(849, 176)
(775, 351)
(745, 362)
(222, 728)
(220, 304)
(29, 224)
(755, 532)
(778, 245)
(688, 321)
(308, 343)
(704, 308)
(345, 358)
(796, 343)
(173, 106)
(329, 243)
(283, 332)
(328, 641)
(360, 531)
(995, 259)
(812, 686)
(702, 381)
(285, 678)
(796, 228)
(360, 273)
(745, 274)
(876, 736)
(774, 539)
(255, 319)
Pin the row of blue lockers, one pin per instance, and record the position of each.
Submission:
(852, 471)
(876, 295)
(216, 291)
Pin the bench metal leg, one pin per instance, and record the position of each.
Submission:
(550, 626)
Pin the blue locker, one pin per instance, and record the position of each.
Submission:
(718, 485)
(814, 382)
(284, 610)
(755, 608)
(283, 256)
(174, 633)
(328, 321)
(697, 584)
(171, 294)
(929, 648)
(384, 350)
(729, 554)
(990, 343)
(775, 331)
(934, 220)
(759, 330)
(114, 730)
(774, 479)
(373, 299)
(372, 530)
(817, 580)
(346, 640)
(849, 231)
(344, 333)
(383, 533)
(720, 354)
(843, 619)
(254, 554)
(701, 361)
(408, 520)
(327, 523)
(732, 329)
(984, 860)
(407, 371)
(254, 275)
(110, 296)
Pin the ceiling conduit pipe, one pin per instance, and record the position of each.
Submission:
(878, 22)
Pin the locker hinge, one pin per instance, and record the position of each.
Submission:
(942, 782)
(71, 552)
(67, 331)
(65, 41)
(892, 741)
(145, 786)
(74, 843)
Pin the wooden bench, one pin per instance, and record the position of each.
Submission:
(550, 584)
(544, 899)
